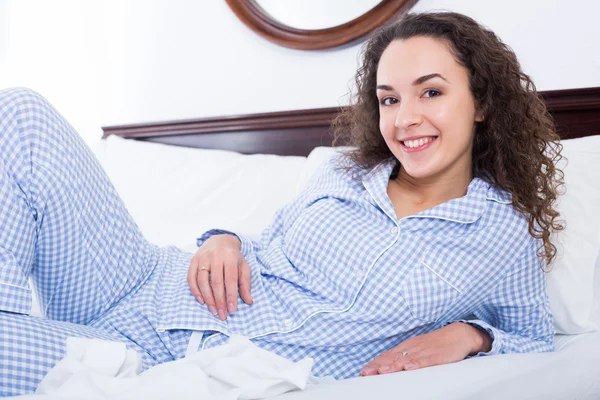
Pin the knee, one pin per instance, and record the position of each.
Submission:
(16, 93)
(18, 100)
(24, 111)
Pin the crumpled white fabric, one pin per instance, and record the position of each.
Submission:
(99, 369)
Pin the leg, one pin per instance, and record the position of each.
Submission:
(63, 223)
(31, 346)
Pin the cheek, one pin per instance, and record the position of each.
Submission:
(444, 117)
(386, 126)
(454, 120)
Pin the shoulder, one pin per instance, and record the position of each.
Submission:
(509, 223)
(337, 172)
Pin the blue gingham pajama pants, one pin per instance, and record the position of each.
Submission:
(63, 226)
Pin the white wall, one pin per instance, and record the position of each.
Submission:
(105, 62)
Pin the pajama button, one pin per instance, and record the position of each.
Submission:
(288, 323)
(394, 229)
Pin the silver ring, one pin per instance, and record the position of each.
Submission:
(402, 354)
(203, 268)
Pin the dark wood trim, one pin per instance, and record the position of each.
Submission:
(253, 16)
(572, 99)
(317, 117)
(576, 113)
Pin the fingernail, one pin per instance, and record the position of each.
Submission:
(385, 368)
(200, 300)
(212, 310)
(409, 366)
(230, 308)
(222, 315)
(367, 371)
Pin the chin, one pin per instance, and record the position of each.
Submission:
(418, 173)
(417, 168)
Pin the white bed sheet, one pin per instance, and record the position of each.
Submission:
(572, 372)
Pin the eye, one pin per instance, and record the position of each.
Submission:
(432, 93)
(388, 101)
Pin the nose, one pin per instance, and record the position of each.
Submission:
(408, 115)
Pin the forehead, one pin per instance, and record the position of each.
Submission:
(406, 60)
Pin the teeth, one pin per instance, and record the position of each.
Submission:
(418, 143)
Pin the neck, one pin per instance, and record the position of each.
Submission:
(434, 190)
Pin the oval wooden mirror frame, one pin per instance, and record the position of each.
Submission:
(251, 14)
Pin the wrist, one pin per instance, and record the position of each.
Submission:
(229, 240)
(481, 340)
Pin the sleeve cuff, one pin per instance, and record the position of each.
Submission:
(247, 244)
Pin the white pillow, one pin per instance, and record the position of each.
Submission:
(574, 282)
(317, 157)
(176, 193)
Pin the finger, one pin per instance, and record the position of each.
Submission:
(192, 278)
(412, 364)
(372, 368)
(245, 282)
(217, 282)
(425, 361)
(369, 370)
(205, 289)
(393, 366)
(231, 284)
(413, 361)
(398, 360)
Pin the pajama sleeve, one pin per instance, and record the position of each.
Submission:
(517, 315)
(282, 219)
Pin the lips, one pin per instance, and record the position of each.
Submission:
(417, 138)
(417, 143)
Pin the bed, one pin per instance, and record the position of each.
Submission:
(269, 157)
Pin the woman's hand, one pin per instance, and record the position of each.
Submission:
(449, 344)
(216, 271)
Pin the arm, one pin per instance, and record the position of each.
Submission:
(517, 315)
(246, 244)
(515, 319)
(218, 270)
(282, 220)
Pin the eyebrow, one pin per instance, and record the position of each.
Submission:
(416, 82)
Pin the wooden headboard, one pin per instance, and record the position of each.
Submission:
(576, 113)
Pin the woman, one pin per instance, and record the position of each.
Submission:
(436, 217)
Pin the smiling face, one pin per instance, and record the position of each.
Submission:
(427, 112)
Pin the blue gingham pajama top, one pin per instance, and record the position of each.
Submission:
(336, 277)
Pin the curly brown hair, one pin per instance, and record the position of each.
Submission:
(515, 147)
